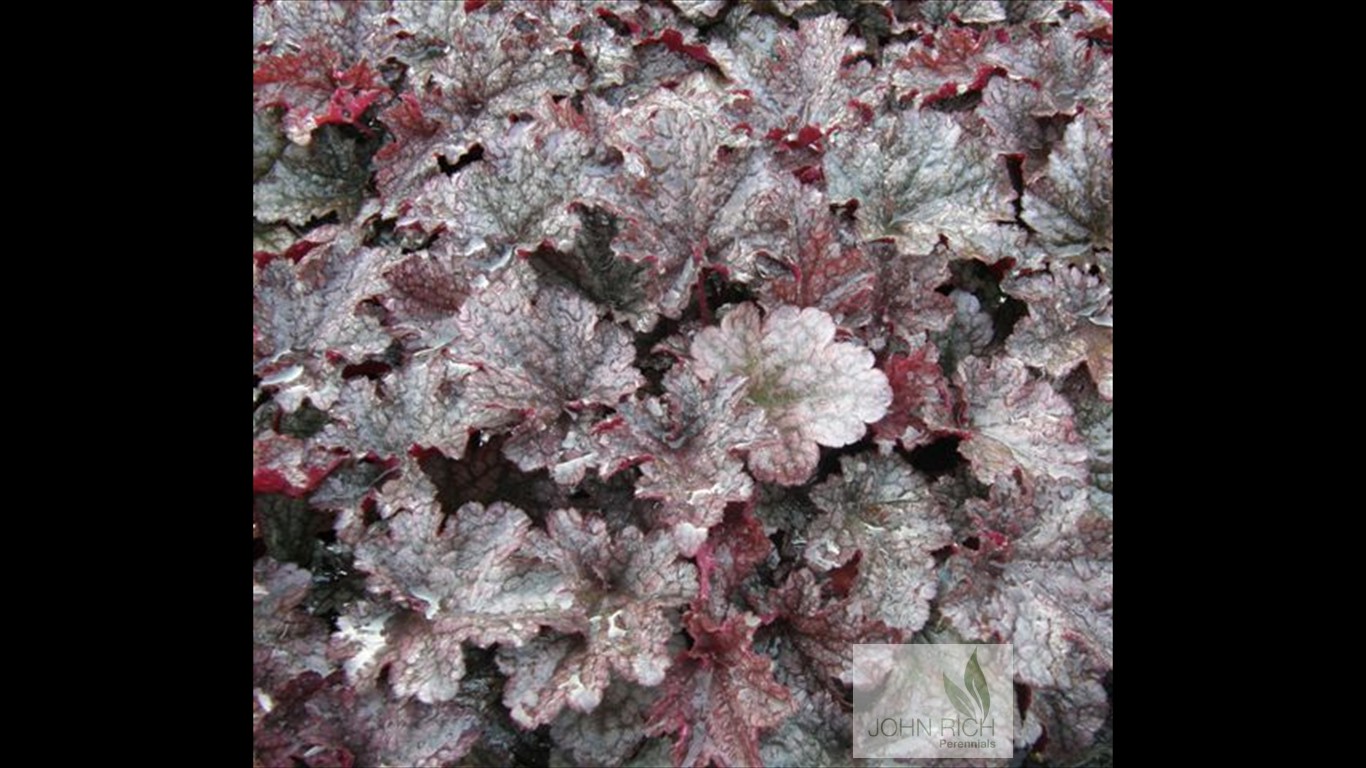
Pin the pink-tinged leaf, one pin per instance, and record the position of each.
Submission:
(922, 404)
(720, 697)
(882, 511)
(1017, 422)
(944, 66)
(683, 444)
(785, 80)
(681, 166)
(822, 626)
(1020, 122)
(917, 176)
(518, 337)
(288, 465)
(626, 585)
(312, 318)
(1069, 70)
(962, 11)
(1070, 322)
(482, 66)
(422, 662)
(472, 77)
(728, 558)
(314, 90)
(426, 291)
(350, 29)
(789, 245)
(464, 573)
(812, 390)
(906, 284)
(1071, 206)
(1041, 577)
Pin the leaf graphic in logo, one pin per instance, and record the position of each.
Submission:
(960, 700)
(976, 683)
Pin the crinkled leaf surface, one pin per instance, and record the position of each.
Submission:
(285, 638)
(518, 194)
(812, 389)
(314, 90)
(609, 734)
(792, 240)
(420, 404)
(1070, 322)
(1041, 578)
(917, 176)
(1071, 206)
(720, 696)
(517, 337)
(922, 404)
(880, 509)
(684, 444)
(298, 184)
(681, 166)
(311, 318)
(1017, 422)
(790, 79)
(624, 585)
(464, 573)
(469, 71)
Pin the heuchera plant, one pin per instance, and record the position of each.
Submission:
(620, 364)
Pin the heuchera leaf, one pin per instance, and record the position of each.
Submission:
(812, 389)
(683, 444)
(792, 241)
(728, 558)
(465, 576)
(300, 184)
(518, 338)
(922, 405)
(1069, 69)
(285, 638)
(317, 722)
(314, 90)
(680, 168)
(1070, 322)
(469, 72)
(420, 404)
(310, 320)
(720, 696)
(1041, 577)
(789, 80)
(878, 508)
(917, 176)
(622, 586)
(1017, 422)
(942, 66)
(519, 193)
(1071, 206)
(609, 734)
(824, 627)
